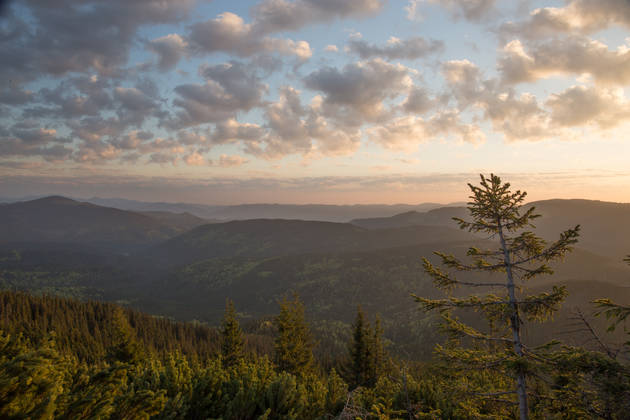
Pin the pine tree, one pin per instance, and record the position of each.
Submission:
(359, 350)
(368, 357)
(378, 358)
(125, 348)
(294, 342)
(231, 336)
(520, 256)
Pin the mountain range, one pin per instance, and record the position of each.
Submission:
(181, 266)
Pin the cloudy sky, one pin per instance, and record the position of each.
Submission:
(314, 101)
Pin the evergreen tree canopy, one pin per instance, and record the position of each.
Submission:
(231, 336)
(368, 358)
(294, 342)
(520, 256)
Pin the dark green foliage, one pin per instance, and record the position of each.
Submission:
(294, 342)
(38, 379)
(231, 337)
(367, 356)
(359, 351)
(90, 329)
(125, 348)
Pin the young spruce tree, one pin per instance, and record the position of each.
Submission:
(294, 342)
(368, 358)
(231, 336)
(520, 256)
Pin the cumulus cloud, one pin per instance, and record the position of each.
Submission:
(72, 98)
(569, 55)
(89, 35)
(293, 127)
(418, 101)
(395, 48)
(331, 48)
(169, 49)
(228, 32)
(406, 133)
(582, 105)
(135, 105)
(229, 88)
(28, 139)
(230, 131)
(357, 92)
(577, 17)
(518, 117)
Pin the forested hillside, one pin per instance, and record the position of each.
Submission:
(335, 268)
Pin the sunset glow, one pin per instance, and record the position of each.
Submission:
(305, 101)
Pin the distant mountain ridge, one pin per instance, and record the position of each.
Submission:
(605, 225)
(274, 237)
(57, 219)
(442, 216)
(317, 212)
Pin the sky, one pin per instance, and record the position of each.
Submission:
(314, 101)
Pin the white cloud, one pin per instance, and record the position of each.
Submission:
(564, 56)
(577, 17)
(406, 133)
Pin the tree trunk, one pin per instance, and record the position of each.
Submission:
(521, 383)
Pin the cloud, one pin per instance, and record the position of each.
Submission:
(272, 16)
(27, 139)
(229, 88)
(582, 105)
(569, 55)
(132, 140)
(72, 98)
(406, 133)
(228, 161)
(13, 95)
(194, 159)
(518, 117)
(418, 101)
(396, 49)
(412, 11)
(473, 10)
(357, 92)
(229, 33)
(292, 127)
(577, 17)
(169, 49)
(331, 48)
(88, 35)
(135, 105)
(230, 131)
